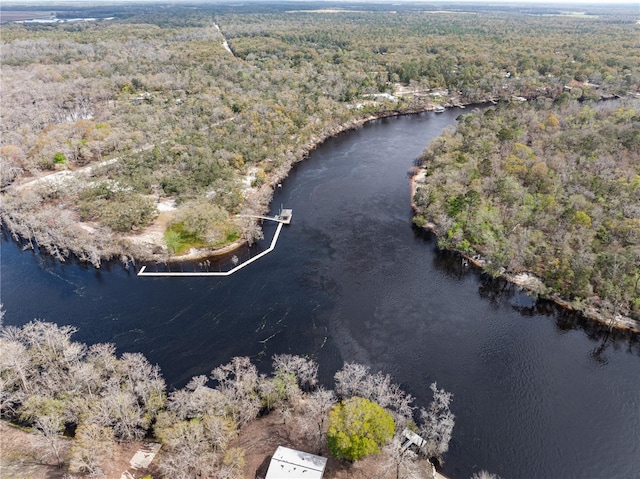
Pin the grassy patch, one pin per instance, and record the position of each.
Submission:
(180, 241)
(232, 236)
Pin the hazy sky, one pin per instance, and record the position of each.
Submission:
(485, 2)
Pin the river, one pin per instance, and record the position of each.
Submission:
(538, 393)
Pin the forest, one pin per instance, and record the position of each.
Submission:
(52, 385)
(549, 188)
(145, 133)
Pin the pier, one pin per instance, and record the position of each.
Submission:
(284, 218)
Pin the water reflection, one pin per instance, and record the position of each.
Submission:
(499, 292)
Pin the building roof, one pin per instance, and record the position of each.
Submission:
(291, 464)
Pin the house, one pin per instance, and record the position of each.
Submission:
(291, 464)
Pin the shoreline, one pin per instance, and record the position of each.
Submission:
(531, 283)
(196, 254)
(132, 248)
(524, 280)
(141, 247)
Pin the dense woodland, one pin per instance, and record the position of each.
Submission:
(103, 122)
(552, 189)
(149, 109)
(55, 385)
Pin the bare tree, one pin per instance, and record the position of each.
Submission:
(50, 427)
(391, 396)
(194, 400)
(219, 432)
(232, 465)
(437, 424)
(304, 370)
(142, 379)
(350, 380)
(103, 357)
(92, 445)
(196, 447)
(238, 383)
(251, 230)
(401, 462)
(285, 411)
(121, 411)
(130, 398)
(315, 415)
(86, 379)
(356, 380)
(269, 392)
(187, 453)
(15, 374)
(282, 392)
(144, 383)
(52, 355)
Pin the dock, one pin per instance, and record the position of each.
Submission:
(412, 438)
(284, 218)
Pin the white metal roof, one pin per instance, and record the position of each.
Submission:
(291, 464)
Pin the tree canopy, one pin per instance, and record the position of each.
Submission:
(54, 385)
(207, 108)
(358, 427)
(551, 189)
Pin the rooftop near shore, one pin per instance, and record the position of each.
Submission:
(292, 464)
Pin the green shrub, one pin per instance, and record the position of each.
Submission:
(179, 240)
(119, 210)
(358, 427)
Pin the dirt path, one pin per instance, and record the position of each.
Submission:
(225, 44)
(58, 178)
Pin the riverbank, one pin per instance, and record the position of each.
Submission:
(535, 285)
(262, 198)
(92, 243)
(153, 248)
(350, 287)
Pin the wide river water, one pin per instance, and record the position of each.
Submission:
(538, 393)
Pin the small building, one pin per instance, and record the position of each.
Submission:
(291, 464)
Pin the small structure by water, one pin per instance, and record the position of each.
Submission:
(285, 216)
(412, 438)
(292, 464)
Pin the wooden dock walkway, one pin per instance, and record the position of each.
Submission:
(283, 219)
